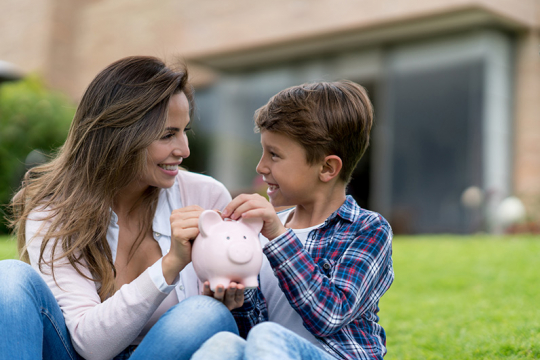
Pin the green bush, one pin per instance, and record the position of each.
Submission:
(31, 118)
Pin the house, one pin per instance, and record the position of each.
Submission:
(455, 83)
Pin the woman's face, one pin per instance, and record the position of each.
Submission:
(167, 153)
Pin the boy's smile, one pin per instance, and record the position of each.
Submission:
(291, 179)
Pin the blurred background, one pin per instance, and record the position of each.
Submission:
(455, 83)
(455, 150)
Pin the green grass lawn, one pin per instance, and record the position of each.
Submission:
(464, 298)
(474, 297)
(8, 248)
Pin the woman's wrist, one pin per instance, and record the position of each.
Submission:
(171, 267)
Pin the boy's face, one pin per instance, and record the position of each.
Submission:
(291, 179)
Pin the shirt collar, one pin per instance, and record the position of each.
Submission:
(169, 199)
(348, 211)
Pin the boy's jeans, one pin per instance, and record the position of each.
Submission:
(266, 341)
(32, 325)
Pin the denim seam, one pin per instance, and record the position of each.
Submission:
(44, 312)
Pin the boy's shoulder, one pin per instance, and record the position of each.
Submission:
(351, 211)
(359, 218)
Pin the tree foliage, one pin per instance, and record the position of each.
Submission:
(32, 118)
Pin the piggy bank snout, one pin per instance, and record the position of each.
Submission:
(240, 253)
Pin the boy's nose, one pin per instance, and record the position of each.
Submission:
(261, 169)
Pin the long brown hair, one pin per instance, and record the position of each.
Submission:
(121, 113)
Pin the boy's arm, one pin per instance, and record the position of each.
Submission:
(251, 313)
(355, 281)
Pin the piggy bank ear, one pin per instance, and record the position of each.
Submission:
(254, 224)
(207, 220)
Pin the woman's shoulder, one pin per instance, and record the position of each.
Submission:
(39, 215)
(191, 179)
(202, 190)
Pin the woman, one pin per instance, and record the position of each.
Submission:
(108, 224)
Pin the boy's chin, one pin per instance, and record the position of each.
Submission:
(280, 204)
(274, 202)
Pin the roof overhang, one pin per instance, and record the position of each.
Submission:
(457, 20)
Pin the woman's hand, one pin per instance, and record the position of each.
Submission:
(254, 205)
(232, 298)
(184, 229)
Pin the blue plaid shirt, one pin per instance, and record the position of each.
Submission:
(334, 282)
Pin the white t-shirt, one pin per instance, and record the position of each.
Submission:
(279, 309)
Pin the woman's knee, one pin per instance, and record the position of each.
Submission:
(203, 310)
(20, 288)
(187, 325)
(16, 276)
(13, 265)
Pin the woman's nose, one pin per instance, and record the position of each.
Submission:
(182, 148)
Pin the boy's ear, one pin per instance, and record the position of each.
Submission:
(331, 167)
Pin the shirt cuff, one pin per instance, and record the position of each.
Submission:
(156, 274)
(281, 250)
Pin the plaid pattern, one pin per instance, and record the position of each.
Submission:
(334, 282)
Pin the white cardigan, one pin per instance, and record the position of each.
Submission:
(102, 330)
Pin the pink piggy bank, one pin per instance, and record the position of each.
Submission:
(227, 250)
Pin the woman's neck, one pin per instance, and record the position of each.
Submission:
(128, 199)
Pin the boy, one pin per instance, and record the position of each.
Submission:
(327, 261)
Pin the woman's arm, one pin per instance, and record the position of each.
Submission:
(98, 330)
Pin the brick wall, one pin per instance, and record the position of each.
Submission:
(24, 33)
(70, 41)
(527, 122)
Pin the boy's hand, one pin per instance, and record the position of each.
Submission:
(254, 205)
(232, 298)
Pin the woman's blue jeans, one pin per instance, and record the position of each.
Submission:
(32, 325)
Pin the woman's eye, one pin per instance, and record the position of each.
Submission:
(167, 136)
(187, 128)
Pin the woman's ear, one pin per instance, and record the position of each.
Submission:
(331, 167)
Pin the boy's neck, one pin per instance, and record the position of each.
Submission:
(323, 204)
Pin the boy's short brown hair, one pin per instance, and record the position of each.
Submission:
(326, 118)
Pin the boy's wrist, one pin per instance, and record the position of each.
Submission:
(275, 234)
